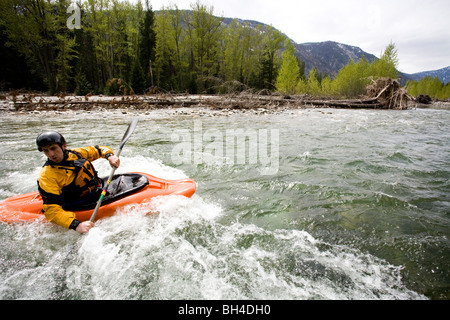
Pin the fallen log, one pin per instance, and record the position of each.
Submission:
(151, 102)
(347, 104)
(384, 93)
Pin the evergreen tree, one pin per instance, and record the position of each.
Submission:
(387, 65)
(242, 53)
(165, 53)
(147, 44)
(231, 69)
(137, 81)
(302, 86)
(411, 86)
(83, 86)
(352, 79)
(290, 72)
(179, 35)
(313, 84)
(86, 64)
(272, 41)
(445, 93)
(301, 65)
(204, 35)
(326, 86)
(432, 87)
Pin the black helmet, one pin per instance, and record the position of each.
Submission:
(48, 138)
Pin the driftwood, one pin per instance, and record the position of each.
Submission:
(425, 99)
(361, 104)
(384, 93)
(389, 93)
(147, 102)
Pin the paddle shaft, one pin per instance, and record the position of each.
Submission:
(102, 196)
(125, 138)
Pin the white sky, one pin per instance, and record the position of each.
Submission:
(420, 29)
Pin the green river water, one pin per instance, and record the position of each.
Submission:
(302, 204)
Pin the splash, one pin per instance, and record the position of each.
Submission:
(183, 251)
(186, 248)
(341, 186)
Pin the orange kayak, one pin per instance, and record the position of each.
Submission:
(133, 188)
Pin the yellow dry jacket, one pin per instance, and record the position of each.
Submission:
(68, 181)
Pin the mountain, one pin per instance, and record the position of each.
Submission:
(329, 56)
(443, 75)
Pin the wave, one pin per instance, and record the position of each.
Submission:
(186, 249)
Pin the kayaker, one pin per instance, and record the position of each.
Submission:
(68, 178)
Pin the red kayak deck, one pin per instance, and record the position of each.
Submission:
(28, 207)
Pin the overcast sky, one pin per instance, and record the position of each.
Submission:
(420, 29)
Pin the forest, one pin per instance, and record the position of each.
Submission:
(120, 47)
(429, 86)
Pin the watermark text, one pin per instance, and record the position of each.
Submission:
(74, 20)
(258, 147)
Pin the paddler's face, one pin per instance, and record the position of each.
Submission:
(54, 152)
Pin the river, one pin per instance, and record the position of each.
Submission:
(299, 204)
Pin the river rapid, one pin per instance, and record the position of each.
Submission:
(300, 204)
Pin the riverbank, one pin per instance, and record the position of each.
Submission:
(258, 104)
(33, 103)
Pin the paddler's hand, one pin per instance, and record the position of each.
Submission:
(84, 227)
(114, 161)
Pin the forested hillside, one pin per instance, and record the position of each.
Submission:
(121, 45)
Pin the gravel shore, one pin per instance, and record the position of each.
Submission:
(204, 105)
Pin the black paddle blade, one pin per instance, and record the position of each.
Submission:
(129, 132)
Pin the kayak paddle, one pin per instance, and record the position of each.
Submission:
(125, 138)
